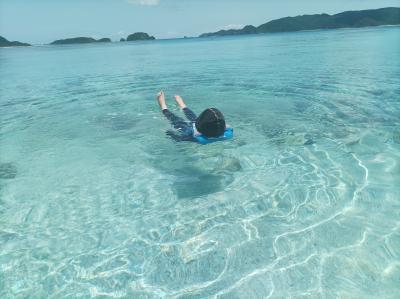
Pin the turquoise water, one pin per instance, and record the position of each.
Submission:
(96, 201)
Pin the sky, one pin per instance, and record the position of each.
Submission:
(43, 21)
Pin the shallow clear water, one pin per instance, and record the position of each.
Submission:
(95, 200)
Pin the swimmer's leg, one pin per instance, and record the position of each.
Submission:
(190, 115)
(179, 137)
(161, 100)
(177, 122)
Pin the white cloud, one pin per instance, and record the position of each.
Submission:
(233, 26)
(144, 2)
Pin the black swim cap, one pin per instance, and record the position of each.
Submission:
(211, 123)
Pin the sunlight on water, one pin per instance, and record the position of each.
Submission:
(96, 200)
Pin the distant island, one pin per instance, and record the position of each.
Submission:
(139, 36)
(6, 43)
(80, 40)
(348, 19)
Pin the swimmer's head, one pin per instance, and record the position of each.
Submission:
(211, 123)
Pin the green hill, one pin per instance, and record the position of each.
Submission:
(80, 40)
(348, 19)
(139, 36)
(6, 43)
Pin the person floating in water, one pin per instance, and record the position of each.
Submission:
(209, 127)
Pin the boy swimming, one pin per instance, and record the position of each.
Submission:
(209, 127)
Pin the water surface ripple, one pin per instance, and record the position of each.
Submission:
(96, 201)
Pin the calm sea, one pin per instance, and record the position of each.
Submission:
(304, 202)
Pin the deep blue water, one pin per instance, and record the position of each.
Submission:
(96, 200)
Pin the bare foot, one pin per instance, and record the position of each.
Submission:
(161, 100)
(180, 102)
